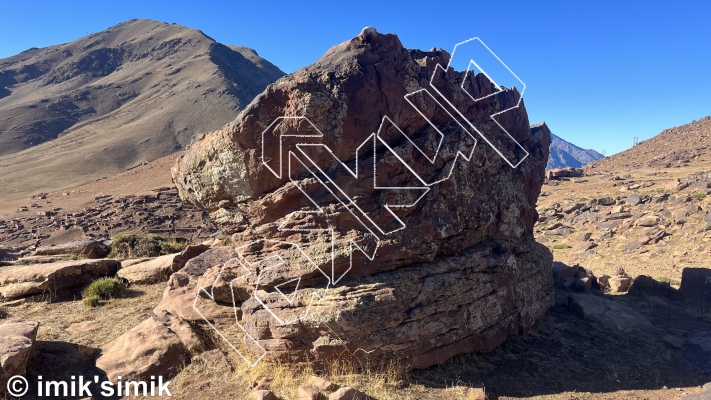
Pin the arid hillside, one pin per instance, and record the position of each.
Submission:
(672, 148)
(138, 91)
(646, 210)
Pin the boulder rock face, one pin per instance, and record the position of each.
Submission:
(25, 280)
(158, 346)
(16, 341)
(160, 268)
(83, 248)
(356, 219)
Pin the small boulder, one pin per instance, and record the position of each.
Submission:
(347, 393)
(214, 359)
(262, 383)
(19, 281)
(160, 345)
(155, 270)
(647, 221)
(322, 384)
(609, 313)
(604, 282)
(619, 284)
(160, 268)
(16, 342)
(606, 201)
(673, 341)
(633, 200)
(85, 248)
(308, 393)
(263, 395)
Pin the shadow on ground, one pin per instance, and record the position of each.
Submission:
(565, 353)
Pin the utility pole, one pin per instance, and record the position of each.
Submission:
(636, 141)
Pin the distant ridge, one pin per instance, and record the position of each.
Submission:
(565, 154)
(138, 91)
(673, 147)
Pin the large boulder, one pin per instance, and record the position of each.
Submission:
(25, 280)
(16, 342)
(567, 172)
(158, 346)
(418, 254)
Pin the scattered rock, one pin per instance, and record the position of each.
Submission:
(609, 313)
(213, 358)
(568, 172)
(160, 345)
(263, 395)
(619, 284)
(647, 220)
(308, 393)
(85, 248)
(633, 200)
(347, 393)
(262, 383)
(606, 201)
(323, 384)
(16, 342)
(19, 281)
(673, 341)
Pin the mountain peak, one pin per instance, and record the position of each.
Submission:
(134, 92)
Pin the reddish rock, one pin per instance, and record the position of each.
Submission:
(262, 383)
(347, 393)
(322, 384)
(160, 345)
(263, 395)
(308, 393)
(619, 284)
(16, 342)
(463, 274)
(18, 281)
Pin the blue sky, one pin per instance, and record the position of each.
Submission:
(599, 73)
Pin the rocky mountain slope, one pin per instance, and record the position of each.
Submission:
(673, 147)
(138, 91)
(565, 154)
(646, 209)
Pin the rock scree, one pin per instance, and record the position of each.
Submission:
(340, 162)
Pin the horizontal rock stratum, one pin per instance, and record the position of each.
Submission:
(349, 159)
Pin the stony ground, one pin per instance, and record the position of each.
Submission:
(651, 221)
(139, 200)
(563, 357)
